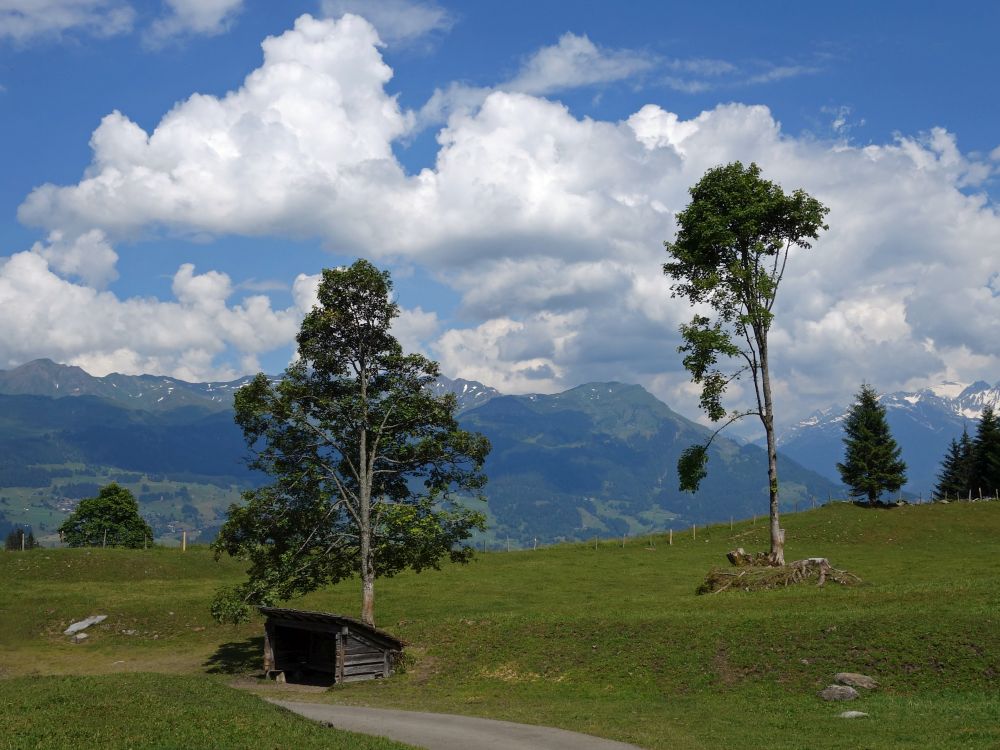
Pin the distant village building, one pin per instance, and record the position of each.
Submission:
(301, 646)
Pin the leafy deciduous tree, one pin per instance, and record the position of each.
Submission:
(365, 459)
(729, 255)
(871, 456)
(109, 520)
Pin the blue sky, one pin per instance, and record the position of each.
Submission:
(515, 165)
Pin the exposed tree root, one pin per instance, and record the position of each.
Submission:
(755, 573)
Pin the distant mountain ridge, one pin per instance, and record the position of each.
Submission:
(923, 423)
(598, 459)
(157, 393)
(468, 393)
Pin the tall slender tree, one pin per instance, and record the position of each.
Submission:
(729, 255)
(872, 463)
(364, 458)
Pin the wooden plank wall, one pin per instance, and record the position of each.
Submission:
(363, 660)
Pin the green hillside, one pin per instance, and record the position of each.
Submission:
(599, 460)
(611, 641)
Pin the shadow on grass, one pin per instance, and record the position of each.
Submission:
(237, 657)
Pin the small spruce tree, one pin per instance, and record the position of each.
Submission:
(956, 469)
(871, 457)
(985, 469)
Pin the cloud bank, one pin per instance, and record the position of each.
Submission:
(549, 226)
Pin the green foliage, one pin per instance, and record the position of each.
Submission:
(17, 540)
(365, 459)
(955, 478)
(692, 467)
(871, 457)
(109, 520)
(985, 473)
(730, 252)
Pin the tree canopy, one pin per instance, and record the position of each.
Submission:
(109, 520)
(872, 463)
(368, 465)
(729, 256)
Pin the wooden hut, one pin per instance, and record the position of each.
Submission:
(310, 646)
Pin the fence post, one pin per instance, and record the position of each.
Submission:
(671, 542)
(184, 541)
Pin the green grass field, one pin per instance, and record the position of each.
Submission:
(611, 641)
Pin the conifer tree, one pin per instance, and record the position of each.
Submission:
(871, 457)
(986, 455)
(956, 469)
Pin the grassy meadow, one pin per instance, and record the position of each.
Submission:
(611, 641)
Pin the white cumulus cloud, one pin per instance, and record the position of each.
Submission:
(396, 20)
(26, 20)
(204, 17)
(549, 226)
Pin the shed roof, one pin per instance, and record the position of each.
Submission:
(329, 618)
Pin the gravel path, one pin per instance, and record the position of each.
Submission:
(448, 732)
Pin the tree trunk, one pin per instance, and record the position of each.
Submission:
(367, 564)
(777, 554)
(368, 597)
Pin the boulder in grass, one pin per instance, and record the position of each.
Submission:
(853, 715)
(76, 627)
(856, 680)
(838, 693)
(79, 638)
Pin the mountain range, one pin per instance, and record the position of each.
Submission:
(923, 422)
(597, 460)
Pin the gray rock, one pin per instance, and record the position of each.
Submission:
(853, 715)
(76, 627)
(838, 693)
(855, 680)
(79, 638)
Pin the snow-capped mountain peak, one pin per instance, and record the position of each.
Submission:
(923, 422)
